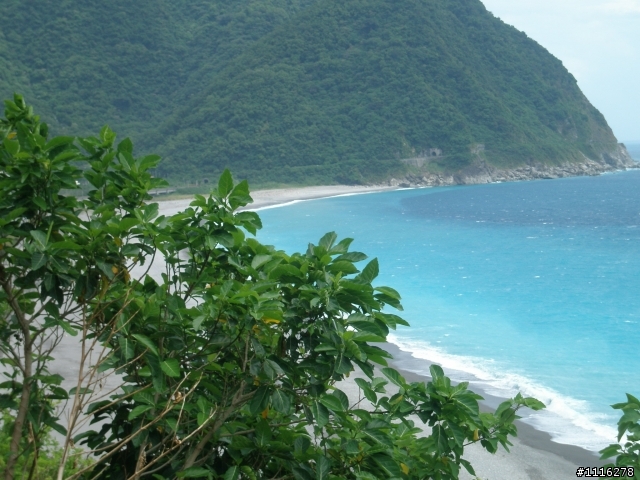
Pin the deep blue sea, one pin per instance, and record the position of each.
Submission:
(529, 286)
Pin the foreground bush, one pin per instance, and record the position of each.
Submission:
(228, 361)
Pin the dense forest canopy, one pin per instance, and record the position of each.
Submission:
(300, 91)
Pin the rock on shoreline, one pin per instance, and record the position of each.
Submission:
(481, 172)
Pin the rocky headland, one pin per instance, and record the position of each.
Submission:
(482, 172)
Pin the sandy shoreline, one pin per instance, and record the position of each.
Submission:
(280, 196)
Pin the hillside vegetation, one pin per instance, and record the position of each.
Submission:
(300, 91)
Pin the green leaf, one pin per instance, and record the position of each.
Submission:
(51, 422)
(263, 433)
(260, 260)
(126, 347)
(342, 397)
(436, 372)
(7, 402)
(195, 472)
(66, 326)
(328, 240)
(332, 403)
(301, 444)
(151, 211)
(38, 260)
(379, 437)
(139, 410)
(239, 196)
(280, 401)
(126, 146)
(57, 142)
(233, 473)
(389, 292)
(366, 476)
(467, 466)
(534, 403)
(13, 147)
(225, 183)
(369, 273)
(272, 369)
(146, 342)
(440, 439)
(469, 402)
(387, 464)
(367, 390)
(40, 238)
(171, 367)
(352, 257)
(66, 245)
(342, 267)
(320, 413)
(394, 376)
(323, 468)
(259, 400)
(610, 451)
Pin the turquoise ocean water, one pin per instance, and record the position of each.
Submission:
(529, 286)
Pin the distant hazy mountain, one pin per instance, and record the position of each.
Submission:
(301, 91)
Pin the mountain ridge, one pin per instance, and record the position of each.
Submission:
(303, 91)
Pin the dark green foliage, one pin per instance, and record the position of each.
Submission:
(299, 91)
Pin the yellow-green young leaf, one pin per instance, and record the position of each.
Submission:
(12, 146)
(171, 367)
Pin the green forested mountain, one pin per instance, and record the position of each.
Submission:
(302, 91)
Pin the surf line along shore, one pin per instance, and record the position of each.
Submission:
(534, 456)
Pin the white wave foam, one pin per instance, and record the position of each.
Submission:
(568, 420)
(293, 202)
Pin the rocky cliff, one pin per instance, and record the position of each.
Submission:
(482, 172)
